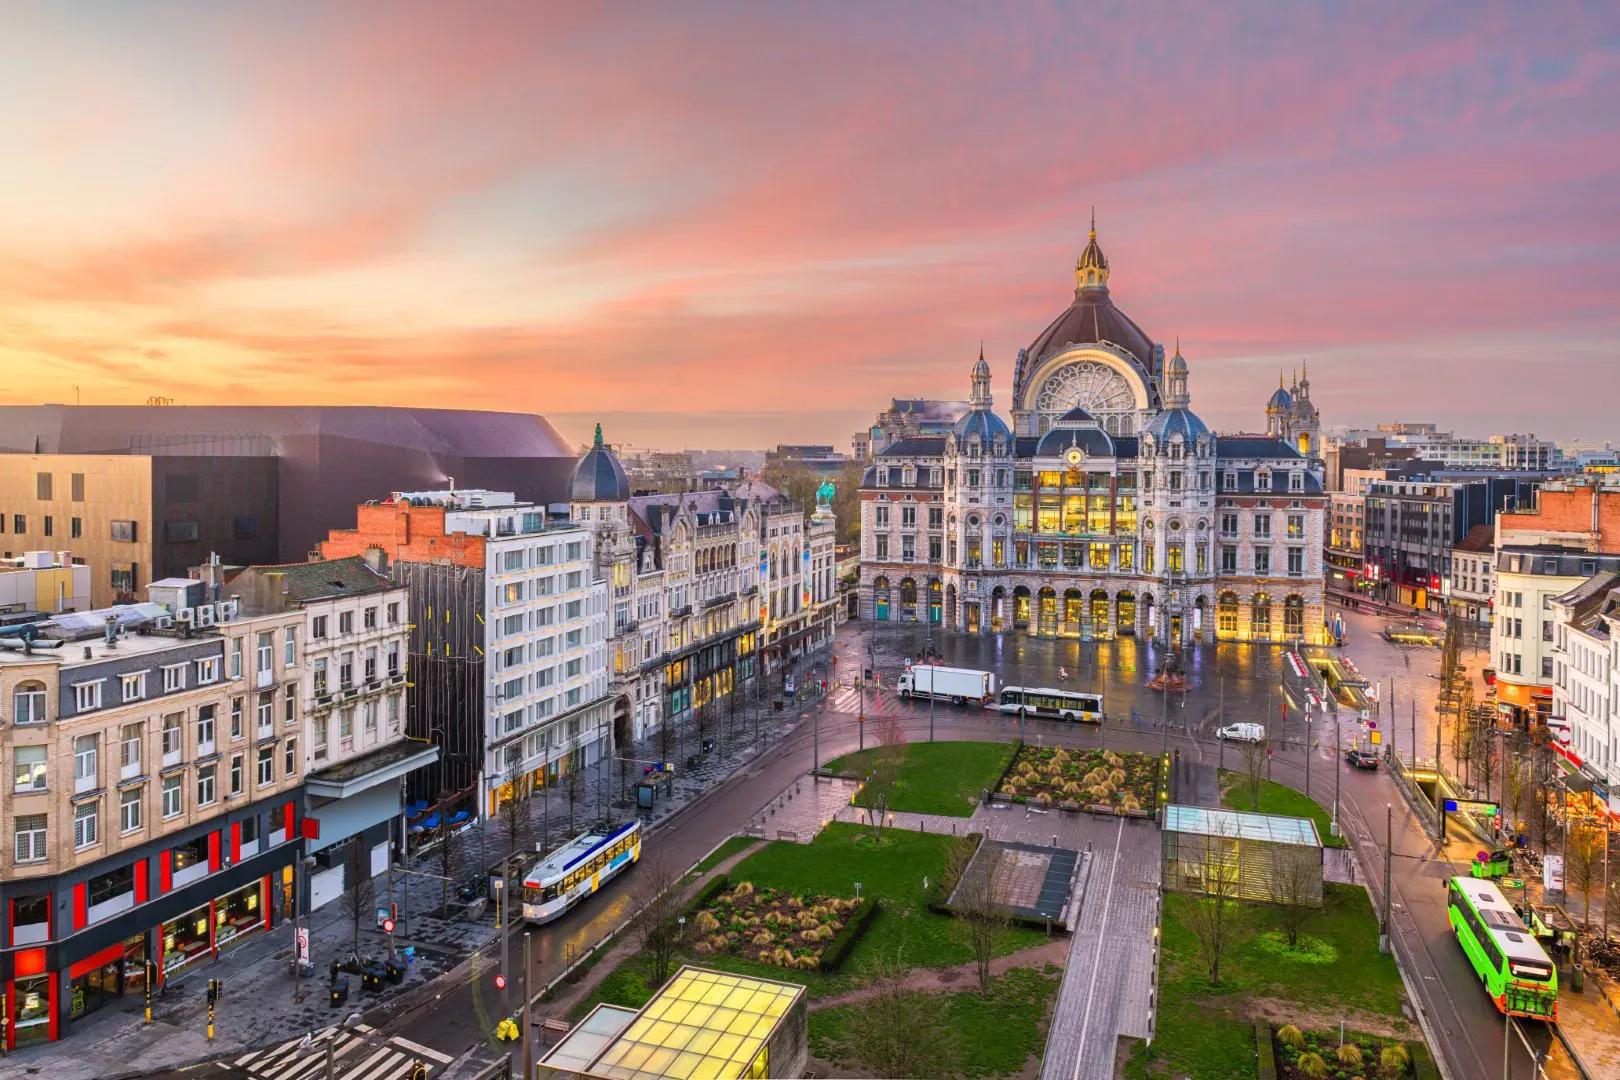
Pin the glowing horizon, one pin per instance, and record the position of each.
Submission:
(736, 225)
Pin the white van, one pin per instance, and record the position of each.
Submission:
(1242, 732)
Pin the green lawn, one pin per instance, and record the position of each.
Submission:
(1275, 798)
(890, 865)
(988, 1035)
(1205, 1031)
(937, 777)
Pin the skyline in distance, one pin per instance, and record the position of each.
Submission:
(662, 220)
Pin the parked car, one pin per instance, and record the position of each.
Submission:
(1362, 758)
(1242, 732)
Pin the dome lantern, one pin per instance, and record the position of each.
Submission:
(1091, 269)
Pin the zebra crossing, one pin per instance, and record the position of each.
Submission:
(358, 1053)
(847, 699)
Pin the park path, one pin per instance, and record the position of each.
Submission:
(956, 977)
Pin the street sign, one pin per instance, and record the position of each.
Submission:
(1472, 806)
(1377, 737)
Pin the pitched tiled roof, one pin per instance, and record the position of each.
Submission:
(1478, 538)
(306, 581)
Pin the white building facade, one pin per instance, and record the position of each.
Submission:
(1586, 681)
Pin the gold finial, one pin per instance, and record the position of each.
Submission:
(1178, 344)
(981, 348)
(1093, 223)
(1280, 383)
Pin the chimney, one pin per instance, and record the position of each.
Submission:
(112, 632)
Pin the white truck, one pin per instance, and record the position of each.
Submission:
(956, 685)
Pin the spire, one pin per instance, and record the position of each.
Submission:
(980, 397)
(1175, 391)
(598, 441)
(1091, 269)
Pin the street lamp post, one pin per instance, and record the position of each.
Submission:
(1338, 768)
(1389, 855)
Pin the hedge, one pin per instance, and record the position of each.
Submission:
(1267, 1052)
(837, 950)
(705, 896)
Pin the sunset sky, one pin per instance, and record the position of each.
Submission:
(732, 225)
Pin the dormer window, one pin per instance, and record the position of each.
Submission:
(908, 477)
(973, 446)
(1296, 480)
(1262, 480)
(883, 478)
(1229, 480)
(933, 477)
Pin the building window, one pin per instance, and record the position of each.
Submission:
(28, 703)
(289, 645)
(1296, 561)
(85, 753)
(29, 834)
(1229, 559)
(85, 818)
(318, 627)
(129, 749)
(208, 671)
(289, 705)
(1296, 526)
(393, 614)
(267, 765)
(172, 740)
(86, 696)
(173, 801)
(289, 759)
(205, 729)
(133, 686)
(236, 718)
(205, 785)
(129, 809)
(267, 710)
(174, 678)
(31, 766)
(236, 658)
(266, 652)
(236, 774)
(345, 622)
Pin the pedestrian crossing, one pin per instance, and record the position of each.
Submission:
(358, 1053)
(847, 699)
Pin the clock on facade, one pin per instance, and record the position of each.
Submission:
(1074, 455)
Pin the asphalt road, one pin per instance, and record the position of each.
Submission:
(462, 1010)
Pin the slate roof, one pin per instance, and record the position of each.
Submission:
(1479, 538)
(916, 446)
(599, 478)
(1178, 421)
(983, 423)
(1093, 440)
(1253, 446)
(302, 582)
(1091, 318)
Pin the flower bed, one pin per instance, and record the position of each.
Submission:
(770, 926)
(1317, 1055)
(1082, 779)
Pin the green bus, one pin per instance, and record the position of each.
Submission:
(1504, 953)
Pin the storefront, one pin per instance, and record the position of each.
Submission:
(97, 980)
(238, 914)
(32, 1004)
(184, 940)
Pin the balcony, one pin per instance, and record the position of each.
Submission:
(716, 601)
(680, 612)
(263, 678)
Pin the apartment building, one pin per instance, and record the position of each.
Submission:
(709, 589)
(508, 639)
(42, 582)
(1586, 682)
(152, 811)
(350, 624)
(1471, 588)
(135, 518)
(1569, 534)
(1411, 526)
(1343, 557)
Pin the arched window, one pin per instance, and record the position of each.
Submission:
(1294, 618)
(1125, 613)
(935, 613)
(908, 600)
(880, 598)
(1226, 613)
(1260, 622)
(28, 703)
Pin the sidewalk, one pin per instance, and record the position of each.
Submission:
(259, 1006)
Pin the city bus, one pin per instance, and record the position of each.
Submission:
(1506, 956)
(1041, 701)
(578, 869)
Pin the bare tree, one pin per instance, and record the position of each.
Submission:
(658, 927)
(1292, 885)
(357, 891)
(1213, 917)
(887, 758)
(1254, 769)
(1583, 865)
(897, 1031)
(575, 767)
(982, 919)
(514, 814)
(1514, 790)
(449, 861)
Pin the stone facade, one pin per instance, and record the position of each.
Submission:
(1106, 508)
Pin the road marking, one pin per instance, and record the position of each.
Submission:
(1096, 956)
(360, 1053)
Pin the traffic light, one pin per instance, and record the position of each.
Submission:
(215, 989)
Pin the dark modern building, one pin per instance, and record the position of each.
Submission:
(1411, 526)
(333, 457)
